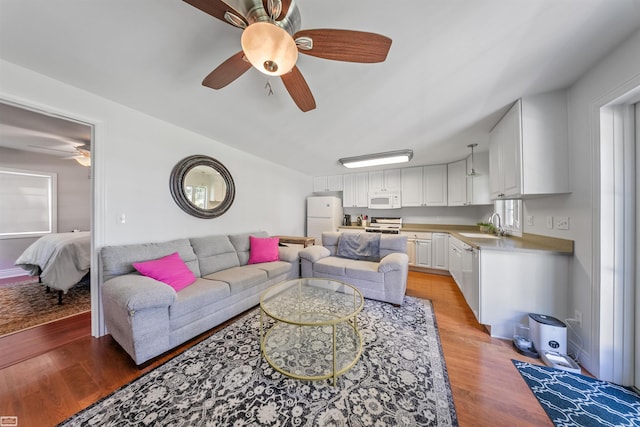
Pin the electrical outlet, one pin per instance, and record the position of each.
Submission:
(562, 222)
(549, 221)
(578, 316)
(530, 220)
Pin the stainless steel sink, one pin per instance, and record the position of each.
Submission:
(479, 235)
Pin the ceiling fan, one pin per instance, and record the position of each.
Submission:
(271, 40)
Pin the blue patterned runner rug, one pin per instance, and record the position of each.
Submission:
(575, 400)
(401, 379)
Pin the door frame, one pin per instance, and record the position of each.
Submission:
(97, 208)
(615, 239)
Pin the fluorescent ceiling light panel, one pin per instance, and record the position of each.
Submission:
(400, 156)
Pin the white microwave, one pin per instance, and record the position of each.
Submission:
(384, 200)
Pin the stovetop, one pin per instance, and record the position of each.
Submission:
(384, 225)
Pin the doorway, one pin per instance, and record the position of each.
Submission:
(33, 140)
(619, 329)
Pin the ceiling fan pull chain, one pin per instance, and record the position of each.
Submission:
(269, 88)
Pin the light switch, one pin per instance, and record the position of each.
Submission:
(549, 221)
(530, 220)
(122, 218)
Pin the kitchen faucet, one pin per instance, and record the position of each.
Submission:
(500, 231)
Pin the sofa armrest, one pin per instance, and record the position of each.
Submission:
(135, 292)
(314, 253)
(289, 254)
(393, 261)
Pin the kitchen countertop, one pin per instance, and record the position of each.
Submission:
(528, 242)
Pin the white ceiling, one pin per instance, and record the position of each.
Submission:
(453, 68)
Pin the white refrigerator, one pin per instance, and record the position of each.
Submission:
(324, 213)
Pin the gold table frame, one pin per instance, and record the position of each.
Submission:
(328, 288)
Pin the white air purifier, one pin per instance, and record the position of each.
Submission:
(548, 333)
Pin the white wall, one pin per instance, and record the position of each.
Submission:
(133, 157)
(609, 79)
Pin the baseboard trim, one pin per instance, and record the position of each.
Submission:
(12, 272)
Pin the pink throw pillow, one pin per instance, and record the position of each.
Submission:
(169, 269)
(263, 249)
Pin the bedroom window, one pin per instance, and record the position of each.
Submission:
(28, 201)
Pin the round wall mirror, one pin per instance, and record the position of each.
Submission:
(202, 186)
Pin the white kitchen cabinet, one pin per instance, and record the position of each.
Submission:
(355, 189)
(528, 148)
(457, 183)
(423, 253)
(411, 181)
(323, 184)
(513, 284)
(385, 180)
(440, 251)
(478, 192)
(431, 250)
(424, 186)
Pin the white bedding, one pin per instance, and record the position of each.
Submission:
(62, 259)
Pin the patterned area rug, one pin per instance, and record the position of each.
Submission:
(575, 400)
(26, 305)
(401, 379)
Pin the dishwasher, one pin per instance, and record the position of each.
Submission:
(466, 272)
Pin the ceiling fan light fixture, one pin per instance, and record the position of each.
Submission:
(389, 157)
(269, 48)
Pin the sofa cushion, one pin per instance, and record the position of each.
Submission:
(273, 269)
(331, 265)
(241, 243)
(118, 260)
(364, 270)
(200, 294)
(239, 278)
(169, 269)
(214, 253)
(263, 249)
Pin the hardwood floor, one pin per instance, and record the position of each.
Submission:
(487, 389)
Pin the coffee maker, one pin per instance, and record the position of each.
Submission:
(346, 220)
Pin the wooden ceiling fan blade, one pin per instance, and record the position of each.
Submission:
(298, 89)
(218, 9)
(345, 45)
(227, 72)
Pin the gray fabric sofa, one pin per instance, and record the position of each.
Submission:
(383, 280)
(147, 317)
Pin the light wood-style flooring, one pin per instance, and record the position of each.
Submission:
(59, 379)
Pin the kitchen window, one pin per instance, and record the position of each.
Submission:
(510, 212)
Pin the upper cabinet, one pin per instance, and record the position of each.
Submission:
(355, 189)
(478, 192)
(528, 149)
(327, 183)
(457, 183)
(424, 186)
(385, 180)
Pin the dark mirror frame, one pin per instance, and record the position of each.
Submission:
(176, 184)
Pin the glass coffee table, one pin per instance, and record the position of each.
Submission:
(308, 328)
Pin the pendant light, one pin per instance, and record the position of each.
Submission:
(471, 172)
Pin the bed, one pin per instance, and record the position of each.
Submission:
(61, 260)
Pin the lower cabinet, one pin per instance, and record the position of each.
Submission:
(513, 284)
(428, 250)
(423, 253)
